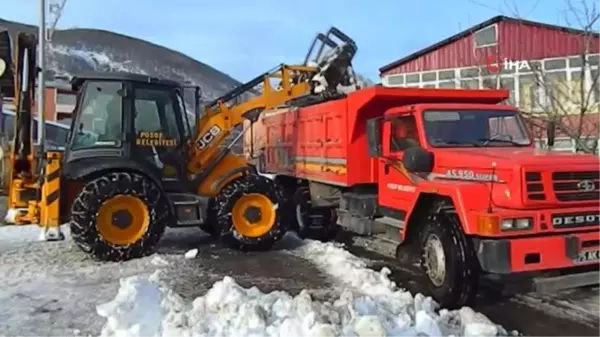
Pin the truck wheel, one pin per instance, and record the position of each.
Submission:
(247, 216)
(313, 223)
(119, 216)
(448, 260)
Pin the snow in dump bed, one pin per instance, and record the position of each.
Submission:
(369, 305)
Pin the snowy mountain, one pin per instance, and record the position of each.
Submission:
(74, 51)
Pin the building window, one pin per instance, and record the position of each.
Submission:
(429, 85)
(595, 86)
(447, 75)
(447, 85)
(413, 78)
(489, 82)
(529, 97)
(469, 72)
(593, 60)
(575, 62)
(508, 83)
(395, 80)
(555, 64)
(66, 99)
(555, 90)
(430, 76)
(486, 37)
(469, 84)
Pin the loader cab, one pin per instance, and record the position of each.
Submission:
(129, 121)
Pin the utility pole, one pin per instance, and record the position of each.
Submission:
(45, 33)
(41, 101)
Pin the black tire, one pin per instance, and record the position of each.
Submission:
(312, 223)
(458, 284)
(209, 226)
(84, 214)
(225, 202)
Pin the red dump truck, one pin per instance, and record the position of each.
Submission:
(451, 175)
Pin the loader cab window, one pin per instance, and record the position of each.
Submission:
(100, 122)
(154, 111)
(403, 133)
(189, 119)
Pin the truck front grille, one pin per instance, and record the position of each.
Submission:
(534, 186)
(576, 186)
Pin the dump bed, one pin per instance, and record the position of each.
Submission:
(327, 142)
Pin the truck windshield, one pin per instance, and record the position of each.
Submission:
(476, 128)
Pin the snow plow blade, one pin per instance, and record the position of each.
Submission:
(570, 281)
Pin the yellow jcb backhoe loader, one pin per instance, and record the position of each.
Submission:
(135, 164)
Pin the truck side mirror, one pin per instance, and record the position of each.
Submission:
(374, 137)
(418, 160)
(551, 132)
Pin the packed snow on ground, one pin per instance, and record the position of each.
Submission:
(10, 235)
(369, 305)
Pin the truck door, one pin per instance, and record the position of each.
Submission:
(396, 191)
(160, 133)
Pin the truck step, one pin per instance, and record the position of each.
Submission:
(389, 228)
(386, 227)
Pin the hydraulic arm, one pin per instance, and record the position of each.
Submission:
(211, 161)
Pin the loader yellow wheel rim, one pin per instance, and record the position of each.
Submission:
(253, 215)
(122, 220)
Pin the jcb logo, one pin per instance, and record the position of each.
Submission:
(208, 137)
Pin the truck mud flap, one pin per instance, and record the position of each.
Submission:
(562, 282)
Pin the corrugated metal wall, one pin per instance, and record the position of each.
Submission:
(516, 42)
(527, 42)
(454, 55)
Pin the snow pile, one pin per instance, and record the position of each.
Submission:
(369, 305)
(192, 253)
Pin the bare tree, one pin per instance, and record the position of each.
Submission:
(570, 100)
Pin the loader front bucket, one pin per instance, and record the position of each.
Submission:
(325, 43)
(332, 53)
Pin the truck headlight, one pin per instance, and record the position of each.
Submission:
(523, 223)
(516, 224)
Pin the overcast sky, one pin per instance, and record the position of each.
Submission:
(245, 38)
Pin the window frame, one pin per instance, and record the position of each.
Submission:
(76, 122)
(521, 125)
(391, 145)
(162, 112)
(474, 36)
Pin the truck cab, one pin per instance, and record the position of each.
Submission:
(461, 139)
(519, 209)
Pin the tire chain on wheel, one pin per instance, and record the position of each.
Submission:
(225, 201)
(465, 274)
(84, 213)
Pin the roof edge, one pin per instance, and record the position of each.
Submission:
(464, 33)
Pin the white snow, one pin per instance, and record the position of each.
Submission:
(23, 234)
(369, 305)
(159, 261)
(192, 253)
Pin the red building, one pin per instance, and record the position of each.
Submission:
(533, 60)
